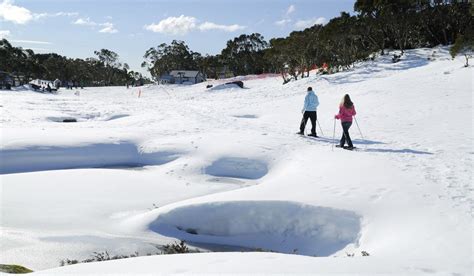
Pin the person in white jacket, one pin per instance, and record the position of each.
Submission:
(311, 102)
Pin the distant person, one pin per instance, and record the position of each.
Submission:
(346, 112)
(48, 87)
(311, 102)
(69, 84)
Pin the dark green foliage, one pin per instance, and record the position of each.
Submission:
(175, 248)
(245, 54)
(406, 24)
(68, 262)
(172, 248)
(98, 257)
(103, 70)
(14, 269)
(165, 58)
(464, 45)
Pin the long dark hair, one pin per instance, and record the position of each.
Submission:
(346, 102)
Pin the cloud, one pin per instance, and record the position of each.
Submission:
(42, 50)
(287, 17)
(174, 25)
(291, 9)
(86, 21)
(4, 34)
(15, 14)
(207, 26)
(108, 28)
(32, 42)
(303, 24)
(66, 14)
(282, 22)
(21, 15)
(37, 16)
(184, 24)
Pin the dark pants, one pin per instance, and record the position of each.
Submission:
(313, 117)
(345, 134)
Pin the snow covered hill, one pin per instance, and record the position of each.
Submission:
(224, 170)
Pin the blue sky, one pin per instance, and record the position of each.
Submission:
(77, 28)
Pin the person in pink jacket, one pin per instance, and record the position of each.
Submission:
(346, 111)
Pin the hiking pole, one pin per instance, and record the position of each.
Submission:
(319, 125)
(333, 134)
(359, 128)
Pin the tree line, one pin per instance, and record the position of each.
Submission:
(375, 26)
(104, 69)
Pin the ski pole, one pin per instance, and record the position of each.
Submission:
(319, 125)
(359, 128)
(333, 133)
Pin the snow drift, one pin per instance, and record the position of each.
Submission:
(280, 226)
(237, 167)
(40, 158)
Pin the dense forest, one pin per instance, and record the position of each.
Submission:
(104, 69)
(375, 25)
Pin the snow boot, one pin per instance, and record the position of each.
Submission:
(313, 135)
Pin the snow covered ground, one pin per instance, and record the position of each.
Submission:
(223, 168)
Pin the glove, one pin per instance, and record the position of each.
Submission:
(302, 111)
(336, 116)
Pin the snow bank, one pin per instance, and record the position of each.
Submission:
(40, 158)
(280, 226)
(237, 167)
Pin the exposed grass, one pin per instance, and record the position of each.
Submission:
(14, 269)
(172, 248)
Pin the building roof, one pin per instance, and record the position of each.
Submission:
(187, 74)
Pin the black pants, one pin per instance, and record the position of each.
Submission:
(345, 134)
(313, 117)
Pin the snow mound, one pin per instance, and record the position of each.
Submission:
(102, 155)
(281, 226)
(237, 167)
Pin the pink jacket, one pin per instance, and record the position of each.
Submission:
(345, 114)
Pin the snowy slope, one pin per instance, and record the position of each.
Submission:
(226, 169)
